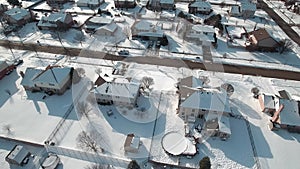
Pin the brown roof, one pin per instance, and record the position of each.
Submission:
(128, 140)
(99, 81)
(260, 34)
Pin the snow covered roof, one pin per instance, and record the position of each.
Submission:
(17, 13)
(100, 20)
(151, 34)
(55, 75)
(290, 113)
(143, 25)
(29, 75)
(117, 89)
(92, 2)
(200, 4)
(248, 6)
(167, 1)
(207, 100)
(203, 28)
(235, 10)
(110, 27)
(50, 21)
(191, 81)
(17, 154)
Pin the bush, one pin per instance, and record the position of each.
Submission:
(205, 163)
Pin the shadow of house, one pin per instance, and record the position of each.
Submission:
(167, 4)
(56, 21)
(8, 87)
(261, 40)
(125, 4)
(52, 80)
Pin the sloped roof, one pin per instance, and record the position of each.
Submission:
(167, 1)
(29, 75)
(223, 122)
(201, 4)
(3, 65)
(207, 100)
(115, 89)
(269, 101)
(112, 27)
(248, 6)
(290, 113)
(54, 75)
(18, 153)
(100, 20)
(143, 25)
(203, 28)
(17, 13)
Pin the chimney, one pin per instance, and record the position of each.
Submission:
(276, 114)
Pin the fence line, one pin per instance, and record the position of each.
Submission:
(89, 156)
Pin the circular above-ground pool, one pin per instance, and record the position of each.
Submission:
(174, 143)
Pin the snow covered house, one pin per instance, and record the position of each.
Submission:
(96, 22)
(18, 155)
(285, 112)
(125, 3)
(167, 4)
(54, 80)
(200, 7)
(18, 16)
(5, 68)
(56, 21)
(143, 26)
(89, 3)
(201, 33)
(246, 10)
(132, 143)
(107, 30)
(202, 102)
(261, 40)
(119, 91)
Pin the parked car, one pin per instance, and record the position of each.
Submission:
(123, 52)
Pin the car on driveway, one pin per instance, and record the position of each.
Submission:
(123, 52)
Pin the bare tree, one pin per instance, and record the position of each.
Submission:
(88, 142)
(228, 88)
(80, 71)
(285, 45)
(255, 92)
(98, 71)
(127, 31)
(83, 108)
(147, 82)
(8, 129)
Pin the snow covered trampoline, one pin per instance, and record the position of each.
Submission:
(174, 143)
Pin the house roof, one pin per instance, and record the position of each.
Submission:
(143, 25)
(290, 113)
(54, 75)
(260, 34)
(100, 20)
(248, 6)
(29, 75)
(151, 34)
(167, 1)
(112, 27)
(50, 21)
(191, 81)
(99, 81)
(92, 2)
(18, 153)
(117, 89)
(207, 100)
(203, 28)
(200, 4)
(17, 13)
(235, 10)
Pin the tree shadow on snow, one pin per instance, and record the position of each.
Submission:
(8, 87)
